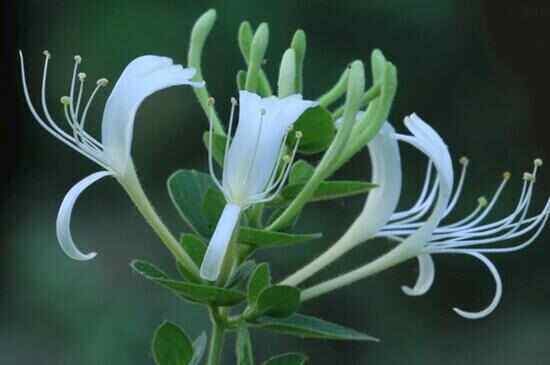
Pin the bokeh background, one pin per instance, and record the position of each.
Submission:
(475, 70)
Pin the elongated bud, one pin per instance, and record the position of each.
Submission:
(299, 45)
(241, 79)
(354, 94)
(257, 53)
(245, 36)
(287, 74)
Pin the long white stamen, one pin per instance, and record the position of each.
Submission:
(420, 203)
(77, 61)
(81, 79)
(99, 84)
(210, 148)
(464, 162)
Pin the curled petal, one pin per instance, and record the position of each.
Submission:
(425, 278)
(63, 224)
(217, 248)
(498, 290)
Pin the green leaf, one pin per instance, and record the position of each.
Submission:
(199, 348)
(195, 293)
(241, 274)
(329, 190)
(195, 248)
(171, 346)
(187, 189)
(260, 279)
(300, 173)
(218, 146)
(212, 206)
(292, 358)
(310, 327)
(317, 129)
(244, 347)
(264, 239)
(278, 301)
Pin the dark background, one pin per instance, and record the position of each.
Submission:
(477, 71)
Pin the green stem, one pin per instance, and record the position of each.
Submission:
(216, 338)
(131, 184)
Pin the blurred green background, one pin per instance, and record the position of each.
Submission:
(474, 70)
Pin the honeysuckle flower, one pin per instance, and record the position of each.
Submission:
(142, 77)
(379, 206)
(251, 170)
(421, 235)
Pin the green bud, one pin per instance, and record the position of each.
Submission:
(287, 74)
(245, 39)
(241, 79)
(257, 53)
(299, 45)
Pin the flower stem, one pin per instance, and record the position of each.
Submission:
(216, 338)
(397, 255)
(133, 187)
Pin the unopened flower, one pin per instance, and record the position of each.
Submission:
(251, 171)
(142, 77)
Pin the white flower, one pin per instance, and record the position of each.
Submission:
(142, 77)
(420, 235)
(467, 236)
(251, 171)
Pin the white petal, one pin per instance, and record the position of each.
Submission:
(426, 274)
(215, 254)
(386, 173)
(263, 124)
(63, 225)
(498, 289)
(141, 78)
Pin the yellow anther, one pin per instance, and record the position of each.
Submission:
(538, 162)
(482, 201)
(211, 101)
(286, 158)
(82, 76)
(298, 134)
(65, 100)
(102, 82)
(233, 101)
(506, 175)
(463, 160)
(528, 176)
(77, 58)
(47, 53)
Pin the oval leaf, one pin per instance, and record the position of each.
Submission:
(310, 327)
(278, 301)
(171, 346)
(260, 279)
(317, 128)
(187, 189)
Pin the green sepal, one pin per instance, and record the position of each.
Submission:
(259, 280)
(266, 239)
(317, 127)
(171, 346)
(279, 301)
(218, 146)
(310, 327)
(291, 358)
(243, 347)
(195, 293)
(187, 189)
